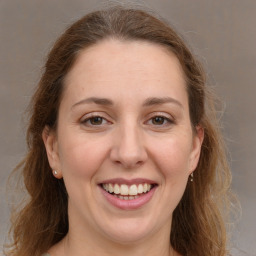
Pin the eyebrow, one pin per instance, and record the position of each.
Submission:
(159, 101)
(147, 103)
(95, 100)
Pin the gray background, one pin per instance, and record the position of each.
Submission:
(221, 32)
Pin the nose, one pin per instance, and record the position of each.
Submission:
(129, 149)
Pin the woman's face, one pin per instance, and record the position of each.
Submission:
(124, 143)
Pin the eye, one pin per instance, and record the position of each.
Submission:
(94, 121)
(160, 120)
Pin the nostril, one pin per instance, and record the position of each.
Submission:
(129, 165)
(129, 159)
(129, 152)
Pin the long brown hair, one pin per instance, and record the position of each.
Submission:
(198, 227)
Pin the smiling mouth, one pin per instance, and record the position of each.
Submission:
(127, 192)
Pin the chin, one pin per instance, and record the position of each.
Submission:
(129, 232)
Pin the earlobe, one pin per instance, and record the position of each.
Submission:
(196, 147)
(51, 146)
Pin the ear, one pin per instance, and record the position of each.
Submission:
(198, 138)
(51, 145)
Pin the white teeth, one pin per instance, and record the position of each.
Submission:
(110, 188)
(133, 190)
(140, 189)
(127, 192)
(105, 186)
(126, 197)
(124, 190)
(116, 189)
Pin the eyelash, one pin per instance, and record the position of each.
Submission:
(166, 121)
(88, 121)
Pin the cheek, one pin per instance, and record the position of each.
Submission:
(81, 157)
(172, 157)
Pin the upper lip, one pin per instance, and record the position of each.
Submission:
(120, 181)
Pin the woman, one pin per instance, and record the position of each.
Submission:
(124, 152)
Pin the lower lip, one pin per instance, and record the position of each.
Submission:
(130, 204)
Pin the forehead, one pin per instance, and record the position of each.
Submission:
(131, 66)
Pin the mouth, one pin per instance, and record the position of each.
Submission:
(128, 194)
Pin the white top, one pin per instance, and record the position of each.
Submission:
(46, 254)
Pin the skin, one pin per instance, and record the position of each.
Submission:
(128, 141)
